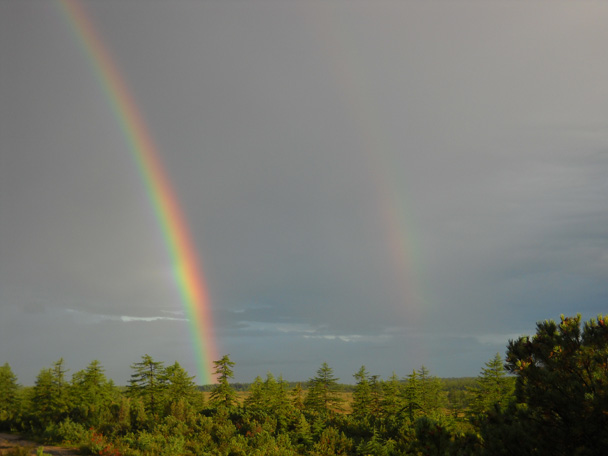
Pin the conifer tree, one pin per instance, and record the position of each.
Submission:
(362, 395)
(297, 396)
(433, 398)
(493, 387)
(302, 434)
(279, 403)
(413, 396)
(50, 395)
(8, 396)
(179, 385)
(324, 392)
(148, 382)
(391, 402)
(91, 395)
(255, 399)
(423, 393)
(44, 397)
(59, 372)
(375, 387)
(562, 377)
(223, 394)
(270, 389)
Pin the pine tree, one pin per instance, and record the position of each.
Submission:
(562, 377)
(223, 395)
(392, 392)
(148, 382)
(297, 396)
(493, 387)
(179, 385)
(302, 435)
(50, 395)
(375, 387)
(413, 396)
(433, 398)
(277, 398)
(424, 395)
(44, 397)
(362, 395)
(59, 372)
(8, 396)
(323, 392)
(281, 395)
(256, 397)
(91, 395)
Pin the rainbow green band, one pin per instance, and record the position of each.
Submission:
(186, 265)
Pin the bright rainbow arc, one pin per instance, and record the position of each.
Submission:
(186, 266)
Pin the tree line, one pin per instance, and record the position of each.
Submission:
(548, 396)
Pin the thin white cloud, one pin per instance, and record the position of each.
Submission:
(276, 327)
(298, 329)
(349, 337)
(92, 318)
(309, 332)
(127, 318)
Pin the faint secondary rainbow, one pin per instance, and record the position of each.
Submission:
(349, 75)
(186, 265)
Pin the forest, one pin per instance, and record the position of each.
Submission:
(547, 396)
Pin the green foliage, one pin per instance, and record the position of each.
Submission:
(506, 432)
(92, 396)
(99, 445)
(40, 452)
(50, 396)
(179, 383)
(560, 407)
(147, 443)
(180, 390)
(302, 435)
(392, 397)
(493, 387)
(332, 441)
(148, 382)
(562, 377)
(257, 394)
(8, 397)
(432, 438)
(223, 395)
(458, 392)
(362, 396)
(323, 392)
(377, 446)
(424, 395)
(297, 397)
(19, 451)
(270, 398)
(67, 431)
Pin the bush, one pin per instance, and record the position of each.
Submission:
(20, 451)
(98, 445)
(72, 433)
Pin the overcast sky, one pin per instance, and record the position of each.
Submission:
(378, 183)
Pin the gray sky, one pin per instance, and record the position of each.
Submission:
(367, 182)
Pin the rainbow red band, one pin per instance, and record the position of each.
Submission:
(186, 265)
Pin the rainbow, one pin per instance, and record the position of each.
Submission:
(186, 265)
(349, 74)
